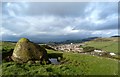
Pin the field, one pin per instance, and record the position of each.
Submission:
(106, 44)
(71, 64)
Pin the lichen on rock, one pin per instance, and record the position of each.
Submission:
(23, 40)
(26, 50)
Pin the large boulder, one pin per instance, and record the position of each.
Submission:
(26, 50)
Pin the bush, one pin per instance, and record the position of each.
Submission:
(47, 47)
(88, 49)
(6, 53)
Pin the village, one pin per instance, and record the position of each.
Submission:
(77, 48)
(69, 47)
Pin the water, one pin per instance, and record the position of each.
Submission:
(54, 61)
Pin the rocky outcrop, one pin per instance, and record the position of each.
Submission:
(26, 51)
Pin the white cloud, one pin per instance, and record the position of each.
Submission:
(6, 32)
(33, 19)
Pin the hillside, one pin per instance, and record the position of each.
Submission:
(76, 41)
(106, 44)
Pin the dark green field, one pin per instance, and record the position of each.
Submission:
(71, 63)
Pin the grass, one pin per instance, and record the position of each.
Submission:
(94, 65)
(109, 46)
(71, 64)
(6, 46)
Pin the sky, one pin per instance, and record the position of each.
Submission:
(58, 21)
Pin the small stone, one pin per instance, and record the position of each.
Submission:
(30, 62)
(37, 62)
(112, 54)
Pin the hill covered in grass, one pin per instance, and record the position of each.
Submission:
(107, 44)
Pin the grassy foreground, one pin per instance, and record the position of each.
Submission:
(72, 64)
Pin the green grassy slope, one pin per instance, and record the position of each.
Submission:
(95, 65)
(106, 44)
(71, 64)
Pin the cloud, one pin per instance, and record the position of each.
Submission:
(58, 9)
(50, 21)
(53, 25)
(12, 9)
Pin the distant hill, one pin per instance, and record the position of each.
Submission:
(9, 41)
(76, 41)
(115, 36)
(106, 39)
